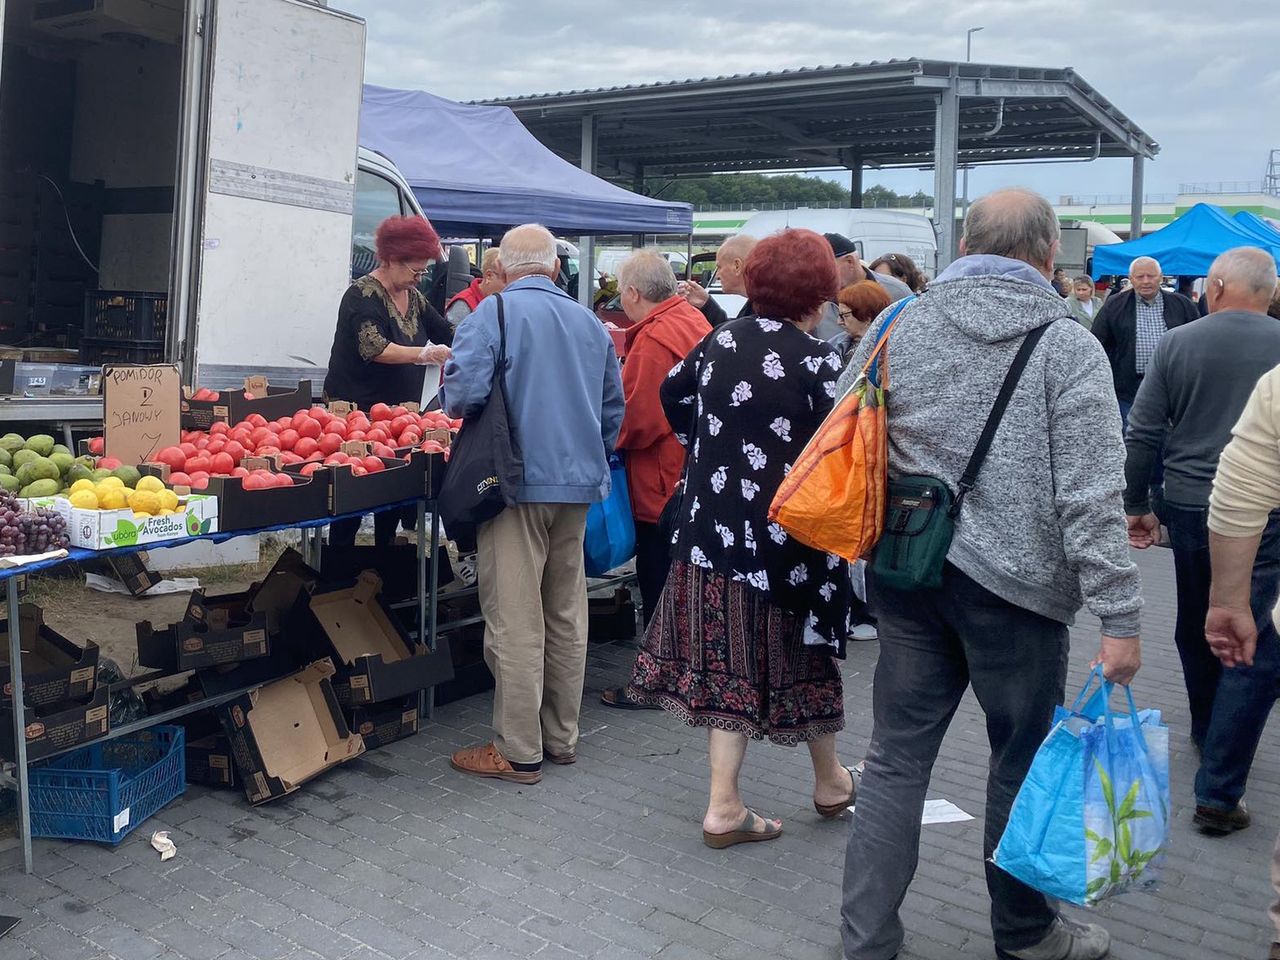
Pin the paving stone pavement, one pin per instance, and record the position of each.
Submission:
(396, 856)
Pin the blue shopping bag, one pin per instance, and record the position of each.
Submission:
(611, 531)
(1092, 818)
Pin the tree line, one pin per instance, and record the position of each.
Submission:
(751, 189)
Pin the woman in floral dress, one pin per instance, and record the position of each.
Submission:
(750, 623)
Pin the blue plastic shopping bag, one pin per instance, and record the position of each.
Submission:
(611, 531)
(1092, 818)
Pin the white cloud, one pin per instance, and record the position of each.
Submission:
(1201, 80)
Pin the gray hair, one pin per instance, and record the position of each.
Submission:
(1139, 261)
(650, 273)
(491, 260)
(739, 245)
(1250, 268)
(529, 248)
(1015, 223)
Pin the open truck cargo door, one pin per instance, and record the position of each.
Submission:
(270, 241)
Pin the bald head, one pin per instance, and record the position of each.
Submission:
(1015, 223)
(1242, 279)
(527, 250)
(730, 259)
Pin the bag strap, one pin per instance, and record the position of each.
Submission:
(970, 475)
(502, 334)
(871, 369)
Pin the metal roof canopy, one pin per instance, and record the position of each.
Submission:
(900, 113)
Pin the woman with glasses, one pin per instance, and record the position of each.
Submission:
(387, 332)
(859, 304)
(903, 267)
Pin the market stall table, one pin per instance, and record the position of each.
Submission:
(428, 572)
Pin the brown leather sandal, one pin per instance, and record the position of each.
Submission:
(486, 761)
(829, 811)
(743, 833)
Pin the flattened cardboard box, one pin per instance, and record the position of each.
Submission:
(377, 660)
(288, 732)
(211, 634)
(396, 564)
(209, 762)
(57, 728)
(54, 669)
(384, 723)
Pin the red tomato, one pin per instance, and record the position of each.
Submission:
(329, 443)
(198, 475)
(358, 471)
(314, 458)
(260, 434)
(189, 449)
(336, 426)
(199, 464)
(202, 443)
(355, 435)
(410, 438)
(455, 424)
(219, 427)
(382, 450)
(173, 456)
(178, 478)
(256, 420)
(298, 419)
(236, 449)
(380, 411)
(319, 413)
(373, 464)
(257, 480)
(305, 447)
(336, 458)
(289, 438)
(243, 436)
(96, 446)
(310, 428)
(284, 423)
(267, 451)
(377, 435)
(311, 468)
(288, 457)
(216, 445)
(222, 463)
(432, 446)
(399, 424)
(109, 463)
(357, 421)
(399, 411)
(239, 472)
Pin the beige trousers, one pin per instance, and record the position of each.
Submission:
(533, 593)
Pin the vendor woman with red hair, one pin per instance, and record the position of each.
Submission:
(387, 332)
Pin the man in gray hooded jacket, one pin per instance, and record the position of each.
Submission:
(1042, 532)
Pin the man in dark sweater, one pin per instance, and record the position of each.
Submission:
(1196, 386)
(1132, 322)
(730, 259)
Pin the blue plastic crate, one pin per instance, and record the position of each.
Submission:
(105, 790)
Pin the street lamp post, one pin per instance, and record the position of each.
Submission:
(968, 56)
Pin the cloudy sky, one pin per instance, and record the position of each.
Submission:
(1202, 78)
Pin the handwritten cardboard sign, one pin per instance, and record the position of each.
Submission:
(143, 407)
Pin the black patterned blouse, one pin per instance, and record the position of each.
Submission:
(745, 402)
(367, 322)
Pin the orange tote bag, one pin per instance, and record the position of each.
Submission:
(834, 497)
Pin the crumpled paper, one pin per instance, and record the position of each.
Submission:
(162, 845)
(103, 584)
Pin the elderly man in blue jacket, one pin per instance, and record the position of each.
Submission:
(564, 387)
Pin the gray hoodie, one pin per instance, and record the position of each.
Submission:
(1044, 527)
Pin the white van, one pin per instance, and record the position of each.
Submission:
(875, 232)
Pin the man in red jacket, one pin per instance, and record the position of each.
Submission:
(665, 328)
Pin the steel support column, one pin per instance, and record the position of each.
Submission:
(945, 148)
(1135, 201)
(587, 245)
(855, 184)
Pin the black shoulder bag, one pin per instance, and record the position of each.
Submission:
(485, 467)
(921, 513)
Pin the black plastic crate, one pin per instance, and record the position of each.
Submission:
(126, 315)
(100, 350)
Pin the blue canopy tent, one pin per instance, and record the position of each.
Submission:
(476, 170)
(1187, 246)
(1257, 224)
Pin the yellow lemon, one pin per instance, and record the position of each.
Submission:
(145, 502)
(154, 484)
(164, 513)
(84, 499)
(82, 485)
(139, 515)
(111, 482)
(111, 498)
(168, 501)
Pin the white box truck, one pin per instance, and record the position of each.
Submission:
(200, 156)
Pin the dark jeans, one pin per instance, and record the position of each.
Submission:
(1189, 537)
(342, 533)
(933, 645)
(653, 562)
(1245, 694)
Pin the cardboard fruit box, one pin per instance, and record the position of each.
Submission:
(209, 634)
(241, 509)
(376, 659)
(383, 723)
(288, 732)
(232, 407)
(347, 493)
(108, 529)
(57, 727)
(54, 669)
(209, 761)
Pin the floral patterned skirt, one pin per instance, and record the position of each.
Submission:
(717, 654)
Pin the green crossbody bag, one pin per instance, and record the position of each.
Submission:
(921, 512)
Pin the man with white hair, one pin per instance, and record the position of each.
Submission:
(489, 282)
(1131, 323)
(1197, 385)
(731, 258)
(564, 403)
